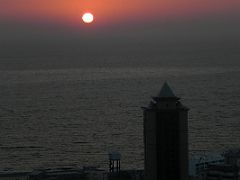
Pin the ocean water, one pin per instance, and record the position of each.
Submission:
(74, 116)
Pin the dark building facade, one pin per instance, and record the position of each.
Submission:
(222, 172)
(166, 137)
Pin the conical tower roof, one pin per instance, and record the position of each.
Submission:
(166, 92)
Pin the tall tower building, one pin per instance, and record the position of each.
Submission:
(166, 137)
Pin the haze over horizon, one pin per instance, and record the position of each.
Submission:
(54, 28)
(72, 92)
(65, 16)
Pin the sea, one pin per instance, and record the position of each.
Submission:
(65, 111)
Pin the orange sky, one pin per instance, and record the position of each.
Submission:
(111, 11)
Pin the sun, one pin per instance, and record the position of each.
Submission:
(88, 17)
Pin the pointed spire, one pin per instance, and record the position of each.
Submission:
(166, 92)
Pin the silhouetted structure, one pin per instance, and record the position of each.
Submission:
(114, 162)
(166, 137)
(58, 174)
(126, 175)
(222, 172)
(232, 156)
(228, 170)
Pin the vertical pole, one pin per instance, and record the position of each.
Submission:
(110, 166)
(119, 165)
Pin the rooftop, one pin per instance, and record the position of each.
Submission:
(166, 92)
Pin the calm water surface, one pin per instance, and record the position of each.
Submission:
(75, 116)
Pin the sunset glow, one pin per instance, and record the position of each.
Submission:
(87, 18)
(112, 12)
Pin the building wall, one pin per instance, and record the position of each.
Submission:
(183, 139)
(166, 143)
(150, 145)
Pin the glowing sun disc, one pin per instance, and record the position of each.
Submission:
(87, 17)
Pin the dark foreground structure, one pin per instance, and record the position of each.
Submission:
(87, 173)
(226, 169)
(166, 137)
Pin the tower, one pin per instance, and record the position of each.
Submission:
(114, 162)
(166, 137)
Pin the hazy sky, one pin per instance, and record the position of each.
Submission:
(68, 12)
(28, 23)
